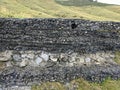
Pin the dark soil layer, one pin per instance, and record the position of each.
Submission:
(59, 35)
(30, 75)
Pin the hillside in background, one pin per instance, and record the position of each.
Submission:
(80, 2)
(85, 9)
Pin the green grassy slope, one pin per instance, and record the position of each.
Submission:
(53, 9)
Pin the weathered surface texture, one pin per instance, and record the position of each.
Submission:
(59, 35)
(39, 50)
(29, 75)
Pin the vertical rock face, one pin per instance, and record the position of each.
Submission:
(38, 50)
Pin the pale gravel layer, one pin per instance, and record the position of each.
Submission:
(41, 58)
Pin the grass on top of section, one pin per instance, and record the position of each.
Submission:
(53, 9)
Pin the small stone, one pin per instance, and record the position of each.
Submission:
(32, 63)
(24, 63)
(93, 56)
(101, 59)
(30, 56)
(17, 57)
(5, 56)
(38, 60)
(82, 59)
(44, 56)
(64, 58)
(98, 63)
(49, 64)
(112, 56)
(97, 56)
(43, 64)
(72, 59)
(54, 58)
(24, 55)
(8, 64)
(71, 64)
(87, 60)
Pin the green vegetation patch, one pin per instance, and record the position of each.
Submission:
(80, 84)
(117, 57)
